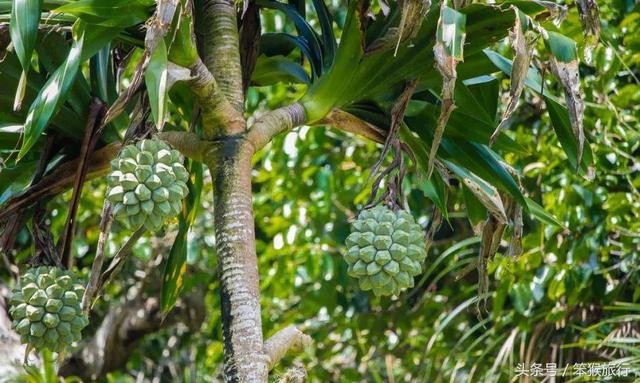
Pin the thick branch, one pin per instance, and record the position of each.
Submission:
(245, 360)
(218, 115)
(187, 143)
(274, 123)
(289, 338)
(222, 54)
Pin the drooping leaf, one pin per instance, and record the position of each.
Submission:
(434, 188)
(109, 13)
(520, 66)
(176, 267)
(66, 120)
(325, 93)
(329, 44)
(411, 16)
(304, 30)
(483, 191)
(590, 18)
(356, 77)
(558, 114)
(23, 27)
(53, 50)
(102, 79)
(562, 126)
(476, 212)
(182, 50)
(447, 51)
(156, 80)
(476, 158)
(271, 70)
(563, 48)
(564, 64)
(52, 94)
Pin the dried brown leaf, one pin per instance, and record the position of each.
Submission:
(567, 73)
(521, 60)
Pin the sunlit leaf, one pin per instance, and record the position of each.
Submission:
(109, 13)
(23, 27)
(176, 267)
(52, 95)
(156, 79)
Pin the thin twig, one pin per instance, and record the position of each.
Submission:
(118, 261)
(96, 267)
(92, 132)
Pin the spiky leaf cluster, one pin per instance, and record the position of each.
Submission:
(147, 184)
(385, 250)
(45, 308)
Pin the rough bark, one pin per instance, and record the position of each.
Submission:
(222, 53)
(245, 360)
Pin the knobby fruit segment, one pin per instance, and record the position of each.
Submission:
(147, 184)
(385, 250)
(45, 308)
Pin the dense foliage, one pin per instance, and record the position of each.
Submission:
(570, 295)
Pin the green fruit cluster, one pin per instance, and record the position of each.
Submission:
(385, 250)
(147, 184)
(45, 308)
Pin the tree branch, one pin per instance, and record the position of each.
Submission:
(218, 114)
(222, 54)
(61, 179)
(289, 338)
(187, 143)
(96, 267)
(275, 122)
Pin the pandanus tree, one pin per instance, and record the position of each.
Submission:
(119, 87)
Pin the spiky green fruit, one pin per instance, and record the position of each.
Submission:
(147, 184)
(45, 308)
(385, 250)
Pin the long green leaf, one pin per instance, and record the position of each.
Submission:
(558, 114)
(109, 13)
(327, 91)
(329, 45)
(271, 70)
(175, 269)
(102, 79)
(451, 33)
(304, 30)
(156, 77)
(52, 95)
(562, 47)
(476, 212)
(183, 50)
(23, 27)
(434, 188)
(539, 213)
(483, 191)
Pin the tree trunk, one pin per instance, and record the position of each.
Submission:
(245, 359)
